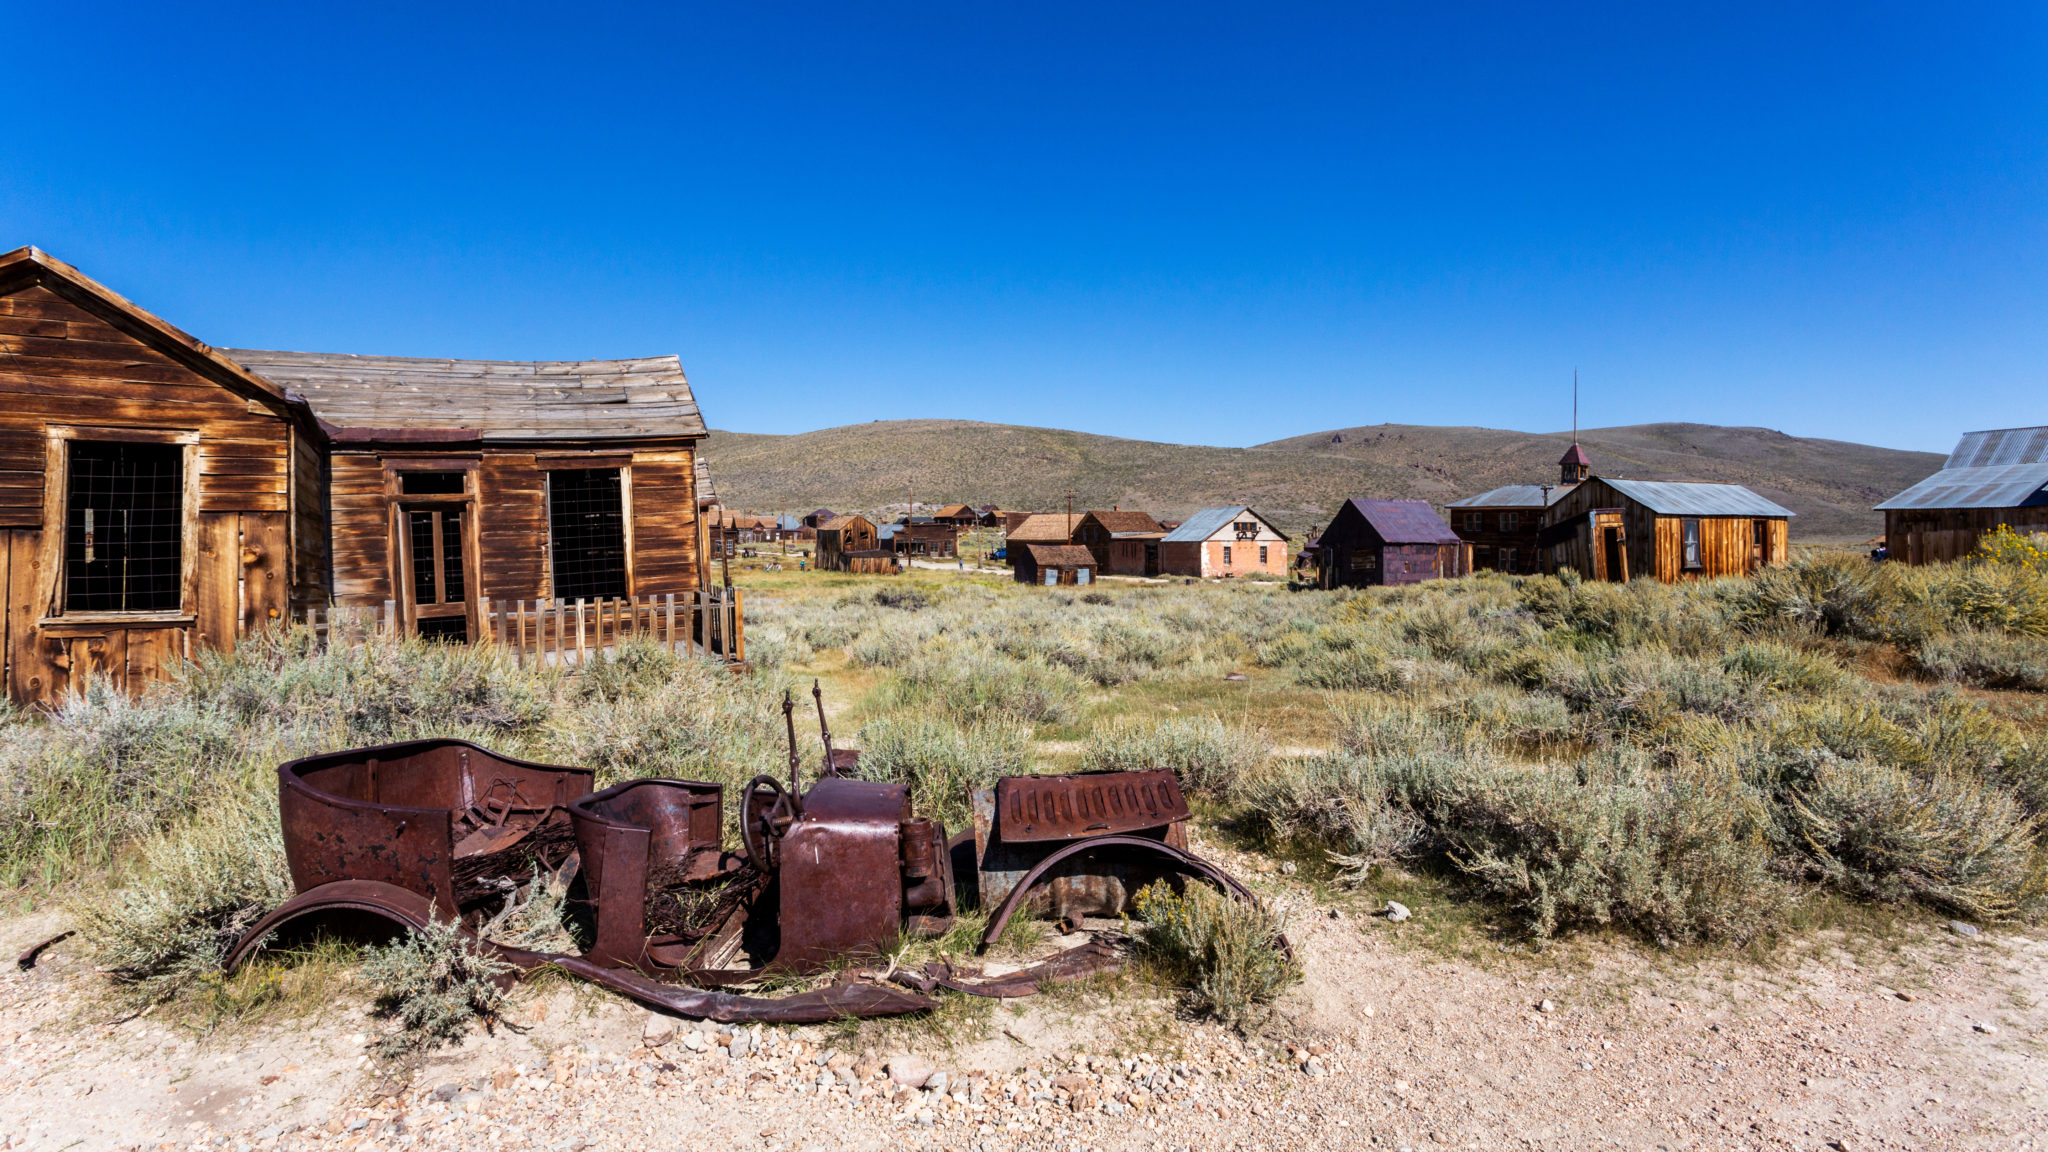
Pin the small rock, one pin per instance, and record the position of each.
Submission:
(1312, 1066)
(447, 1092)
(1237, 676)
(1962, 929)
(1368, 1010)
(1547, 1006)
(658, 1031)
(910, 1071)
(937, 1083)
(1908, 997)
(1082, 1102)
(1267, 866)
(1987, 1029)
(1289, 868)
(1396, 911)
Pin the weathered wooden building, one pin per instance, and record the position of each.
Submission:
(1038, 528)
(1670, 531)
(1372, 542)
(922, 536)
(156, 498)
(852, 544)
(1992, 478)
(455, 480)
(1503, 525)
(1124, 543)
(958, 515)
(1053, 564)
(1224, 542)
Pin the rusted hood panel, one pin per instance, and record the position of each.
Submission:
(1032, 809)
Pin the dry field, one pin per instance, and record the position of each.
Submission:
(1754, 864)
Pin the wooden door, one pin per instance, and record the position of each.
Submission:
(1617, 562)
(437, 570)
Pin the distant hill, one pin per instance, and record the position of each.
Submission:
(1298, 481)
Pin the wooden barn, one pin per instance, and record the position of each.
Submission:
(1053, 564)
(1503, 525)
(1992, 478)
(156, 497)
(1671, 531)
(1124, 543)
(1372, 542)
(455, 480)
(1224, 542)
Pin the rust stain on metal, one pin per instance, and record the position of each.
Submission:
(1039, 808)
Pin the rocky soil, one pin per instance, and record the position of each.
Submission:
(1931, 1041)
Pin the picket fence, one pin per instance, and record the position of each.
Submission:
(708, 623)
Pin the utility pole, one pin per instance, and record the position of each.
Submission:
(1070, 515)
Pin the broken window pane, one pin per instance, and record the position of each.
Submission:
(123, 528)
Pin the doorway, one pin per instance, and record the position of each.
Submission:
(435, 576)
(1617, 560)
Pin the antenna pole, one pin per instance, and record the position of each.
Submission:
(1575, 405)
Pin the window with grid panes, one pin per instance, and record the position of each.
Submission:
(587, 533)
(124, 528)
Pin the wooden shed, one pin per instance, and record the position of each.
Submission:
(1124, 543)
(1234, 541)
(1992, 478)
(1373, 542)
(156, 498)
(1053, 564)
(1617, 529)
(852, 544)
(460, 480)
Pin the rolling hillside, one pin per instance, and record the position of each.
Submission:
(1830, 483)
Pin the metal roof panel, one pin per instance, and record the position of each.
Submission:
(1996, 486)
(1691, 498)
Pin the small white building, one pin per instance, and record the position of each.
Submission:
(1224, 542)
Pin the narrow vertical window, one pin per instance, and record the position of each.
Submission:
(1692, 543)
(587, 533)
(123, 530)
(1262, 555)
(1226, 555)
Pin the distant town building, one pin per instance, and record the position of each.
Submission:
(1373, 542)
(845, 539)
(1039, 528)
(958, 515)
(1992, 478)
(1124, 543)
(1234, 541)
(1053, 564)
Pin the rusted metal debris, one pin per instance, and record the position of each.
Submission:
(34, 952)
(832, 875)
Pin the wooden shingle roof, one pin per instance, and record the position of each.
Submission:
(1044, 528)
(1061, 556)
(489, 399)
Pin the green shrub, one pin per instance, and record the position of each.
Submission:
(1946, 839)
(433, 984)
(1987, 659)
(943, 762)
(1782, 669)
(973, 686)
(1609, 841)
(1342, 802)
(1202, 751)
(192, 893)
(1226, 954)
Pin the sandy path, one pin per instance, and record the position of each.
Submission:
(1880, 1049)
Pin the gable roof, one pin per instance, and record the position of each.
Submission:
(1405, 521)
(487, 399)
(1061, 556)
(1044, 527)
(28, 266)
(1515, 496)
(841, 523)
(1688, 498)
(1117, 522)
(2005, 468)
(1209, 521)
(952, 510)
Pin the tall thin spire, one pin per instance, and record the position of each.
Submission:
(1575, 465)
(1575, 405)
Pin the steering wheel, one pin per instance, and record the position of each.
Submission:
(761, 832)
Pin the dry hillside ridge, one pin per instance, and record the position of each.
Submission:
(1830, 483)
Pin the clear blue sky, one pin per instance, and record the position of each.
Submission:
(1175, 222)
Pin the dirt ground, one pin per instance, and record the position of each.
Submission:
(1926, 1039)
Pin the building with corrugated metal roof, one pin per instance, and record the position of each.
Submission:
(1992, 478)
(1609, 529)
(1388, 542)
(1236, 541)
(1502, 525)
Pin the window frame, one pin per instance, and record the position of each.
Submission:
(1226, 556)
(552, 464)
(1689, 551)
(51, 589)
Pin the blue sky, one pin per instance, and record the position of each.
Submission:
(1178, 222)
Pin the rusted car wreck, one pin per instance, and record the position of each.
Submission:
(828, 877)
